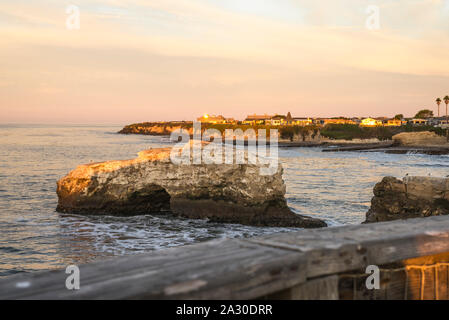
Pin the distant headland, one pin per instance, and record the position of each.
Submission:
(305, 130)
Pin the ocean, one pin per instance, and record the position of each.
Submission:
(336, 187)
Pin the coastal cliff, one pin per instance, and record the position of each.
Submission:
(409, 198)
(430, 139)
(157, 128)
(151, 183)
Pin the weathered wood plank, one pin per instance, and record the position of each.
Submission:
(226, 269)
(251, 268)
(340, 249)
(352, 286)
(325, 288)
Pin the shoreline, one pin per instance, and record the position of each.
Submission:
(360, 145)
(391, 148)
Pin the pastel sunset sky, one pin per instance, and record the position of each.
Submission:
(136, 60)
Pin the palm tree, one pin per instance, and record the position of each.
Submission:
(446, 101)
(438, 101)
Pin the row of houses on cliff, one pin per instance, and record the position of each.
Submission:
(286, 120)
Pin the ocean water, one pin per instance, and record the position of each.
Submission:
(336, 187)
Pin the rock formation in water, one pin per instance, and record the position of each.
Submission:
(409, 198)
(157, 129)
(151, 183)
(419, 139)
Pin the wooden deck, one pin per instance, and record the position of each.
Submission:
(327, 263)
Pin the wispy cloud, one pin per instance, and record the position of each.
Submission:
(218, 54)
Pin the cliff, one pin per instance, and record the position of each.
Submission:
(157, 129)
(151, 183)
(409, 198)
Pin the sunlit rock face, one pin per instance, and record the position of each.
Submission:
(411, 197)
(151, 183)
(155, 129)
(419, 139)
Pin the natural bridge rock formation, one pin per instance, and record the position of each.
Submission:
(409, 198)
(151, 183)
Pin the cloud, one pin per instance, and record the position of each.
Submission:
(211, 53)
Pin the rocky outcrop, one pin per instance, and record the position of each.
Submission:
(411, 197)
(151, 183)
(305, 135)
(157, 129)
(419, 139)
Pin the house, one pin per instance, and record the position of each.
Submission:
(257, 119)
(326, 121)
(418, 122)
(370, 122)
(437, 121)
(357, 120)
(444, 124)
(394, 123)
(319, 121)
(278, 120)
(301, 121)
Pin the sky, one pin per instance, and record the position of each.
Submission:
(135, 60)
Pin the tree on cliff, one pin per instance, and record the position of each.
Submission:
(438, 101)
(425, 113)
(399, 116)
(446, 101)
(289, 118)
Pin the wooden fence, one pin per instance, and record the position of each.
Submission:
(328, 263)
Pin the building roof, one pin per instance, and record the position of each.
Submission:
(255, 117)
(278, 117)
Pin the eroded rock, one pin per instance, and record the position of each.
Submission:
(411, 197)
(151, 183)
(419, 139)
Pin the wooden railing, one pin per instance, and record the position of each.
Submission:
(328, 263)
